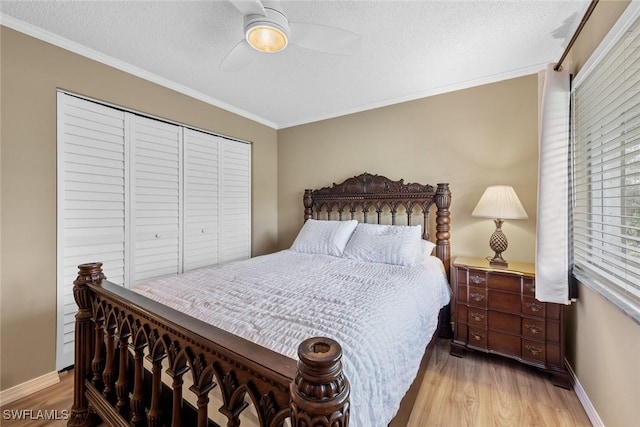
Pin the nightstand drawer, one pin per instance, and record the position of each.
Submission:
(554, 357)
(461, 312)
(533, 328)
(553, 311)
(477, 278)
(504, 322)
(529, 287)
(461, 294)
(553, 331)
(503, 343)
(461, 276)
(478, 337)
(477, 297)
(477, 317)
(461, 332)
(532, 307)
(504, 282)
(533, 350)
(504, 301)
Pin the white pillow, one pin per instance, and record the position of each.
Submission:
(427, 248)
(387, 244)
(324, 237)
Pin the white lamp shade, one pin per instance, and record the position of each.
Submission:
(500, 202)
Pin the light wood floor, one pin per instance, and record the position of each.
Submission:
(477, 390)
(487, 390)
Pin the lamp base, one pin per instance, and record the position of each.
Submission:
(498, 261)
(498, 244)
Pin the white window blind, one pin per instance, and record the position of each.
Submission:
(606, 181)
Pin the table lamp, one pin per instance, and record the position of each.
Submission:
(499, 202)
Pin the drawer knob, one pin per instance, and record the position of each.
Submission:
(476, 297)
(531, 287)
(533, 329)
(477, 316)
(533, 306)
(533, 350)
(477, 336)
(477, 279)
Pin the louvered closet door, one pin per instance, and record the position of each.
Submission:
(91, 203)
(201, 223)
(155, 199)
(235, 201)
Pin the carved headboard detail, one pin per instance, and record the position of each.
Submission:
(366, 191)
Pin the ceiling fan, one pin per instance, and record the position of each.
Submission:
(268, 30)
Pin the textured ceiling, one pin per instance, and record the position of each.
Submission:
(410, 49)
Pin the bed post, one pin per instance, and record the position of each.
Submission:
(89, 273)
(320, 392)
(443, 251)
(308, 204)
(443, 248)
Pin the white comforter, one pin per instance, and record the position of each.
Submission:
(382, 315)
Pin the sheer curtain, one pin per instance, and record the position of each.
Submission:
(552, 242)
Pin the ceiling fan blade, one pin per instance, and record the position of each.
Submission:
(324, 38)
(239, 57)
(249, 7)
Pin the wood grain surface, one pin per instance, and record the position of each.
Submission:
(477, 390)
(485, 390)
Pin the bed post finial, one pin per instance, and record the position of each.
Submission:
(308, 203)
(88, 273)
(320, 392)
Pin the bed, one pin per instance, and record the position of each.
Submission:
(239, 328)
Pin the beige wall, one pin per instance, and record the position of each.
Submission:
(603, 345)
(466, 129)
(470, 138)
(31, 71)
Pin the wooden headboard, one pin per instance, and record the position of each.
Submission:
(360, 193)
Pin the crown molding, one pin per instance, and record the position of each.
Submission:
(56, 40)
(424, 94)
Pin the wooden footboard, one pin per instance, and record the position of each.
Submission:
(116, 329)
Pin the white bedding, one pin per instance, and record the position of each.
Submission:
(382, 315)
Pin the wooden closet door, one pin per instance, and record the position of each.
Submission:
(201, 194)
(155, 199)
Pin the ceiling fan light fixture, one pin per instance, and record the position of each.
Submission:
(267, 33)
(266, 38)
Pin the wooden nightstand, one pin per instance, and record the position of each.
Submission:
(495, 311)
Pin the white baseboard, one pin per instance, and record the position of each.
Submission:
(584, 399)
(21, 390)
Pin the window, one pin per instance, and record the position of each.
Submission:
(606, 171)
